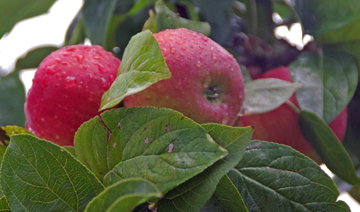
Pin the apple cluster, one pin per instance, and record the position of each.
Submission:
(207, 86)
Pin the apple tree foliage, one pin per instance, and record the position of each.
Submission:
(147, 159)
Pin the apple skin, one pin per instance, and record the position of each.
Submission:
(67, 90)
(206, 83)
(282, 124)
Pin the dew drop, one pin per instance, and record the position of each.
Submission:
(70, 81)
(180, 42)
(224, 58)
(198, 64)
(66, 54)
(172, 50)
(97, 57)
(213, 56)
(104, 83)
(146, 140)
(114, 144)
(64, 63)
(201, 58)
(205, 38)
(201, 47)
(212, 48)
(84, 67)
(50, 70)
(80, 58)
(102, 68)
(183, 48)
(58, 60)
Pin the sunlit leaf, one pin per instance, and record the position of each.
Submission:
(143, 64)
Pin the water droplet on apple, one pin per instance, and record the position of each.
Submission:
(212, 48)
(84, 67)
(70, 81)
(97, 57)
(172, 50)
(104, 83)
(201, 47)
(180, 42)
(102, 68)
(183, 48)
(50, 70)
(58, 60)
(80, 58)
(205, 38)
(198, 64)
(201, 58)
(213, 56)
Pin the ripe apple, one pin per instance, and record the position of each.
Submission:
(281, 125)
(206, 83)
(67, 90)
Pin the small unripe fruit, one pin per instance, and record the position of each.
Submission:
(67, 90)
(206, 83)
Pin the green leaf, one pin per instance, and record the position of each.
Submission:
(34, 57)
(97, 14)
(159, 145)
(348, 33)
(326, 15)
(328, 147)
(143, 64)
(4, 206)
(71, 150)
(16, 10)
(166, 19)
(37, 175)
(225, 198)
(218, 14)
(12, 99)
(274, 177)
(124, 196)
(326, 87)
(264, 95)
(193, 194)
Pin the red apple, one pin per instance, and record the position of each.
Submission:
(281, 125)
(206, 83)
(67, 90)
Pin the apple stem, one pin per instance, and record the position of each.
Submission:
(293, 106)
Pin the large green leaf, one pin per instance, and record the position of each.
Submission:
(193, 194)
(274, 177)
(322, 16)
(12, 99)
(124, 196)
(264, 95)
(160, 145)
(15, 10)
(142, 65)
(226, 198)
(97, 14)
(328, 146)
(37, 175)
(327, 88)
(166, 19)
